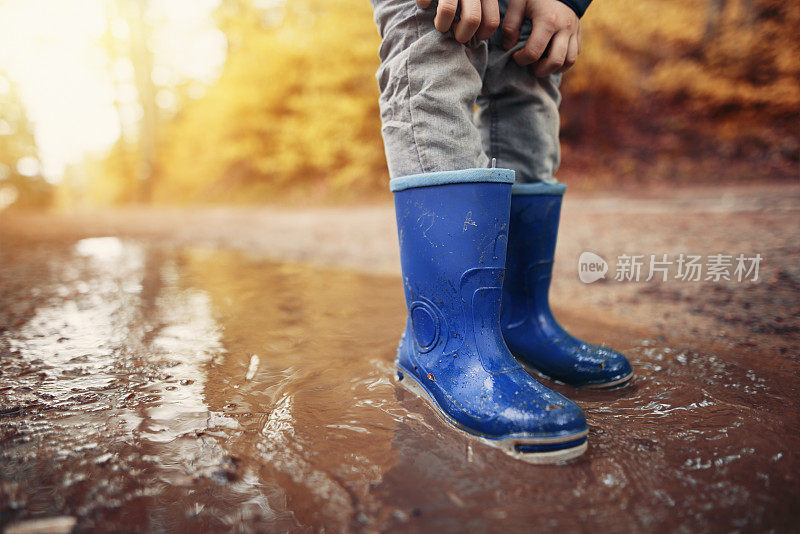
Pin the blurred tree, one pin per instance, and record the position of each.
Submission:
(295, 109)
(128, 171)
(21, 181)
(732, 61)
(135, 13)
(747, 60)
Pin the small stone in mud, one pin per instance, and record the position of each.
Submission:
(400, 515)
(222, 476)
(228, 471)
(645, 444)
(185, 481)
(103, 459)
(50, 525)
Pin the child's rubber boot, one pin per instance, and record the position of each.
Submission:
(453, 235)
(529, 328)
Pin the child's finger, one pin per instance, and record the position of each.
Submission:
(423, 3)
(556, 56)
(469, 21)
(512, 23)
(572, 53)
(445, 14)
(535, 46)
(490, 19)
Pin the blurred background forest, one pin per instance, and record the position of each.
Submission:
(284, 107)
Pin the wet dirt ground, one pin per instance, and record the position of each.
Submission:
(166, 370)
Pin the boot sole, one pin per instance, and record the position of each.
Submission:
(600, 385)
(612, 384)
(516, 446)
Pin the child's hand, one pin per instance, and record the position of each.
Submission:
(478, 17)
(554, 24)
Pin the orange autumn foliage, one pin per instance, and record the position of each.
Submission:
(658, 85)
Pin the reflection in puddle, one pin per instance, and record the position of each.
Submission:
(103, 249)
(197, 389)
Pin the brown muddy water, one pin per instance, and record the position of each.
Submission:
(149, 388)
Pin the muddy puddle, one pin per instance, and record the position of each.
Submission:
(150, 388)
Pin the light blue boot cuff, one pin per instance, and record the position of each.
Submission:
(505, 176)
(541, 188)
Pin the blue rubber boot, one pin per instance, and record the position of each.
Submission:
(453, 235)
(529, 328)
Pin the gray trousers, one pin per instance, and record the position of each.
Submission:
(450, 106)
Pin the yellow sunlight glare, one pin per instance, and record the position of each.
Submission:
(53, 52)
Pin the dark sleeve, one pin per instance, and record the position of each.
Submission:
(578, 6)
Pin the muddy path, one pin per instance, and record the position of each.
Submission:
(153, 376)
